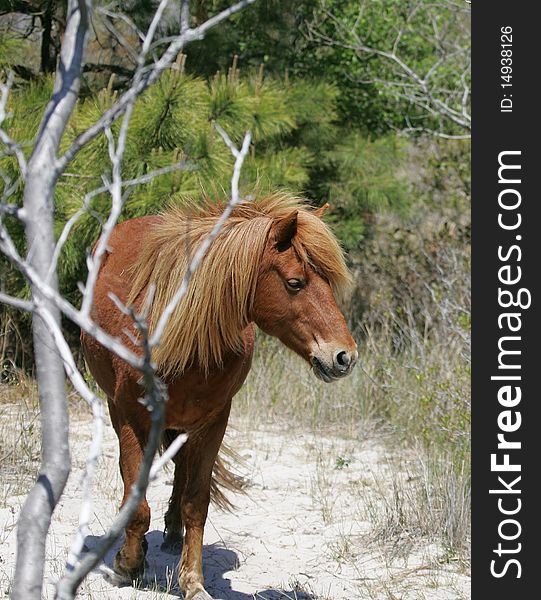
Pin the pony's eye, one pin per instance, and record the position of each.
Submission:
(295, 284)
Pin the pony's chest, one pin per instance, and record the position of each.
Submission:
(195, 399)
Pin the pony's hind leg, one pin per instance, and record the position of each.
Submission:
(129, 561)
(174, 529)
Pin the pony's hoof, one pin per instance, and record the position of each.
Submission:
(172, 543)
(114, 578)
(124, 575)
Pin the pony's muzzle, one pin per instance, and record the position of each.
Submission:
(341, 365)
(344, 361)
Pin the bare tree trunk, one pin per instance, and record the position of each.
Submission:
(35, 516)
(41, 176)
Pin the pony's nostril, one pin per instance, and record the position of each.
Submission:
(342, 360)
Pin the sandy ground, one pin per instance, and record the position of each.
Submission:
(302, 531)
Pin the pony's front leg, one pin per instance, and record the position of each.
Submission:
(200, 457)
(194, 513)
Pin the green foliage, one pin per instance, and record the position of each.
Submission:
(267, 33)
(366, 181)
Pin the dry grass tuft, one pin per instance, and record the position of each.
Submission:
(20, 444)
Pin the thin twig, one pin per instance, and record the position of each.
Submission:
(11, 145)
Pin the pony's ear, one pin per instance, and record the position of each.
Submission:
(285, 230)
(319, 212)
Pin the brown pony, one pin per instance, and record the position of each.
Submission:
(274, 264)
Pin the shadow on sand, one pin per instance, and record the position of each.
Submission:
(161, 572)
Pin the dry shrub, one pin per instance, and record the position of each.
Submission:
(413, 291)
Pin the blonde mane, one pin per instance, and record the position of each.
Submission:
(209, 320)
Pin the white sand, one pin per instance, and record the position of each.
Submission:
(302, 531)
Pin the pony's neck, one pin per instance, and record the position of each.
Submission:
(208, 323)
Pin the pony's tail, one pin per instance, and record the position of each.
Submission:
(224, 479)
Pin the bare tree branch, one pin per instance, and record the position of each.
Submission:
(16, 302)
(184, 16)
(10, 209)
(52, 295)
(117, 34)
(154, 400)
(448, 108)
(96, 406)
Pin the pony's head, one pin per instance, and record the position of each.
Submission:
(301, 269)
(274, 262)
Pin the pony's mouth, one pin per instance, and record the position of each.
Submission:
(322, 372)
